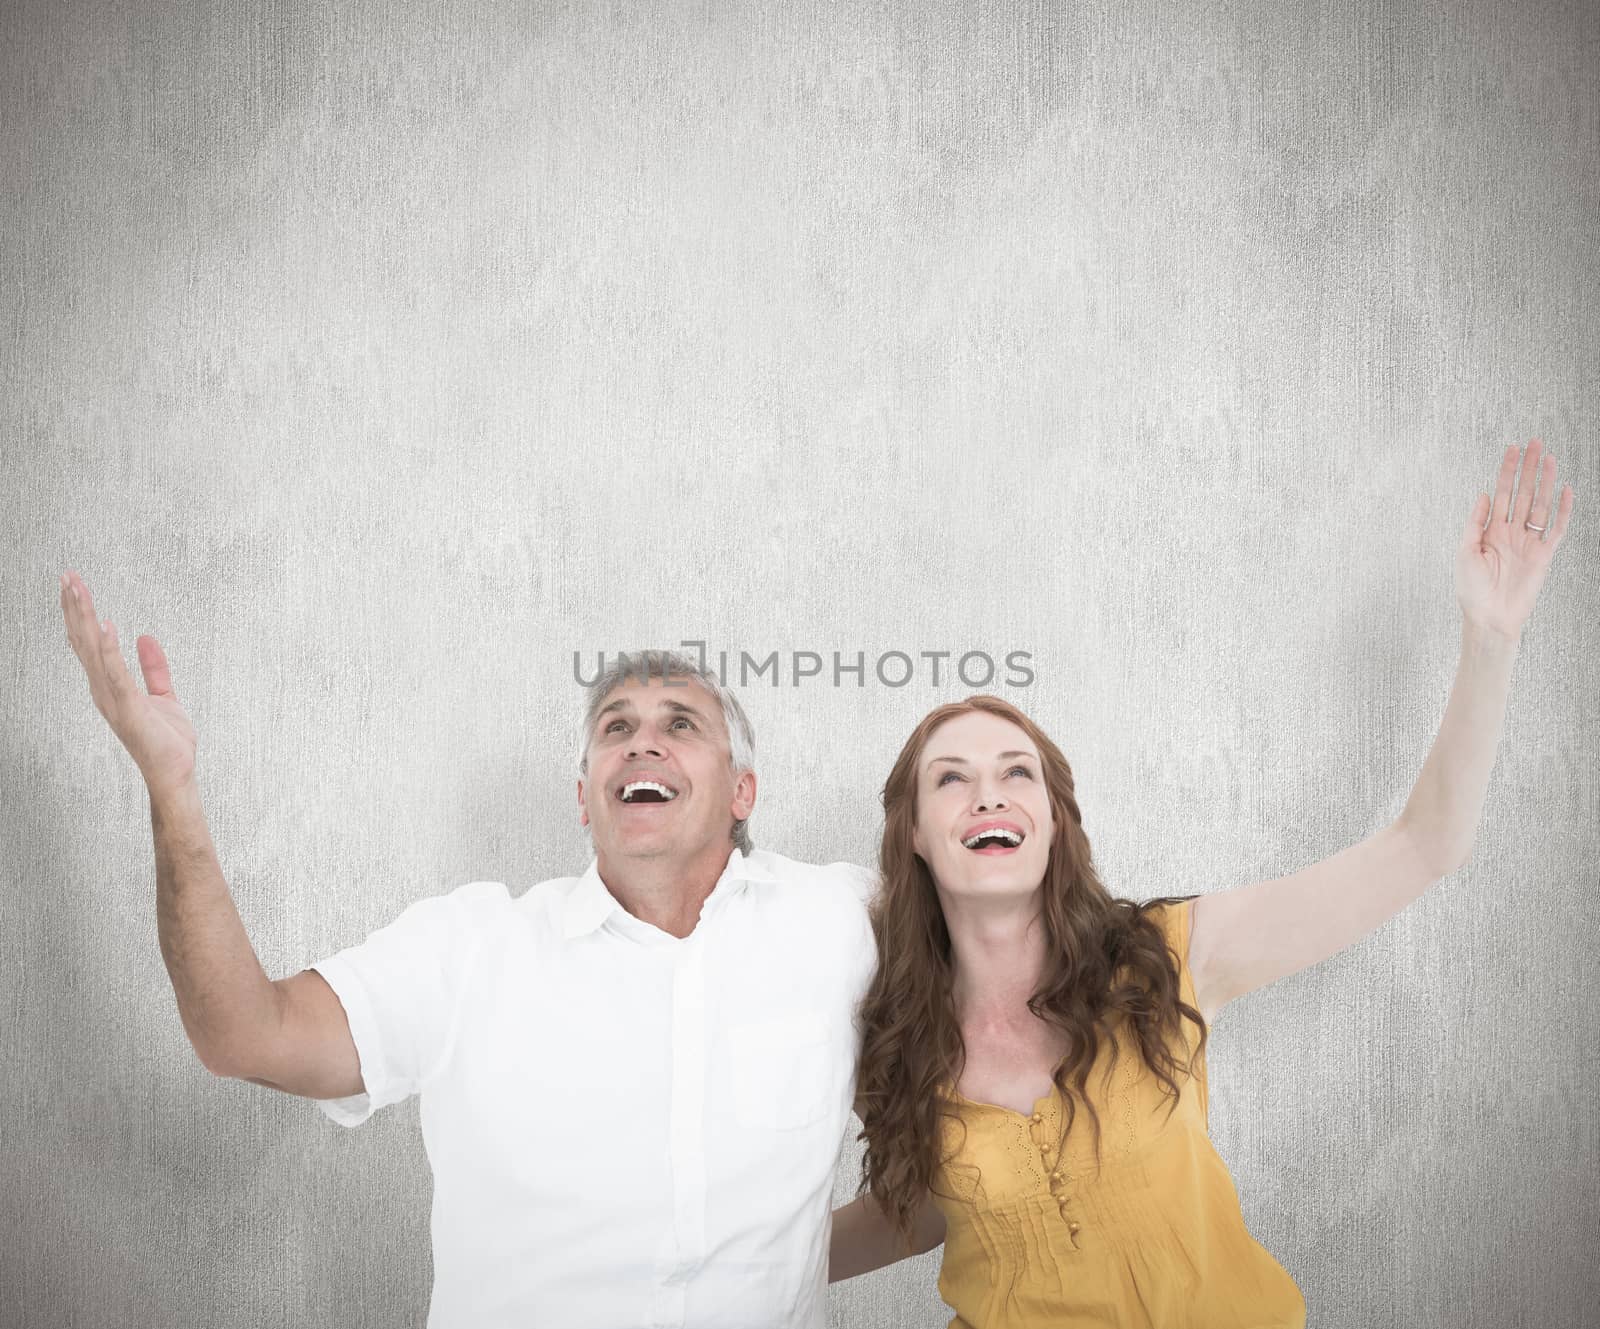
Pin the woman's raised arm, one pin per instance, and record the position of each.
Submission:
(1247, 937)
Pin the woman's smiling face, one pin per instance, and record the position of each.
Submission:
(983, 813)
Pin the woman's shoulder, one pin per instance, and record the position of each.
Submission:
(1173, 916)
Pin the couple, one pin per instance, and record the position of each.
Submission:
(634, 1082)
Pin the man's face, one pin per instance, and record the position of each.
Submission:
(659, 783)
(983, 812)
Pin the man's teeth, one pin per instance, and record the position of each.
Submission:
(995, 833)
(634, 788)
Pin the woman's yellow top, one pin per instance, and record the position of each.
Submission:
(1155, 1237)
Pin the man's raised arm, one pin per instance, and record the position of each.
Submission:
(291, 1035)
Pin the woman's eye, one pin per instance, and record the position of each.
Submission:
(1025, 771)
(614, 724)
(948, 775)
(682, 720)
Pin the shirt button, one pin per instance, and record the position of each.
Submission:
(1038, 1116)
(1055, 1177)
(1072, 1228)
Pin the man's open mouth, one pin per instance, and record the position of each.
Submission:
(645, 791)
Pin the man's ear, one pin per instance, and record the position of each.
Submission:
(583, 810)
(744, 795)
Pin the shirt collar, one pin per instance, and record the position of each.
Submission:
(591, 904)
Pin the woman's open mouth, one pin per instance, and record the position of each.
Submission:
(994, 837)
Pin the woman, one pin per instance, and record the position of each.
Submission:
(1032, 1076)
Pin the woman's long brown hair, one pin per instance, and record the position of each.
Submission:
(1106, 962)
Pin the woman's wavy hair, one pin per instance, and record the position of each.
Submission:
(1106, 963)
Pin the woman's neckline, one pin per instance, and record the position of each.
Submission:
(1038, 1103)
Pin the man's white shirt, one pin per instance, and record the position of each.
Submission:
(627, 1130)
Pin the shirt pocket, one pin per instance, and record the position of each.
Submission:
(784, 1071)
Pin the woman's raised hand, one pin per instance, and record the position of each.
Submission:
(152, 726)
(1501, 566)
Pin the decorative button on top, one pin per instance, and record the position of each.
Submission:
(1055, 1176)
(1072, 1228)
(1038, 1116)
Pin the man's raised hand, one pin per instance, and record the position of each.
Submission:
(151, 725)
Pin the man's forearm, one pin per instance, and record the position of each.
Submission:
(224, 995)
(1444, 808)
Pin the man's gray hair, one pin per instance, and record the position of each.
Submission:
(645, 665)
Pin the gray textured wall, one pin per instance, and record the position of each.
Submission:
(376, 358)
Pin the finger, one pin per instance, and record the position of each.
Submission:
(1539, 510)
(1525, 485)
(1562, 513)
(1502, 485)
(82, 631)
(1472, 536)
(119, 682)
(157, 672)
(69, 608)
(67, 604)
(82, 601)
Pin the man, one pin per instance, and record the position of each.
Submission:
(634, 1082)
